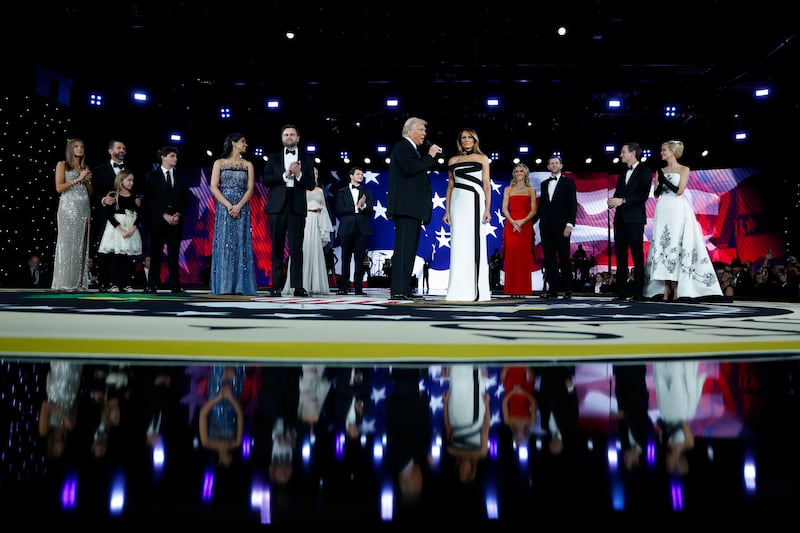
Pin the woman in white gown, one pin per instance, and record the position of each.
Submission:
(317, 234)
(678, 263)
(468, 212)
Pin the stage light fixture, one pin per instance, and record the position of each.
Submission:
(524, 149)
(140, 96)
(273, 103)
(381, 149)
(95, 99)
(258, 151)
(311, 148)
(493, 101)
(740, 136)
(175, 137)
(761, 92)
(670, 111)
(610, 148)
(392, 103)
(614, 103)
(224, 112)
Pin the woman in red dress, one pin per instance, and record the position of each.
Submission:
(519, 208)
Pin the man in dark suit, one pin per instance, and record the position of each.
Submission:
(104, 176)
(630, 197)
(166, 197)
(409, 201)
(288, 174)
(354, 207)
(558, 207)
(34, 275)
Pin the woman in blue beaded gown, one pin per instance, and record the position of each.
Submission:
(232, 184)
(74, 183)
(677, 263)
(316, 235)
(468, 212)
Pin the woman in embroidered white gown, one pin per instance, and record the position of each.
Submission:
(677, 263)
(316, 236)
(468, 212)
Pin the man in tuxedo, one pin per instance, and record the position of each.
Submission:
(165, 200)
(141, 277)
(288, 174)
(34, 275)
(354, 207)
(630, 217)
(409, 201)
(558, 207)
(104, 176)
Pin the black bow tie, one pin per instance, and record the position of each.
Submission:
(291, 152)
(119, 165)
(354, 186)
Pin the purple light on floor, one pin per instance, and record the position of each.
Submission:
(677, 495)
(651, 454)
(116, 502)
(613, 456)
(387, 504)
(493, 447)
(492, 509)
(158, 456)
(246, 442)
(208, 486)
(260, 499)
(749, 473)
(377, 452)
(68, 492)
(339, 446)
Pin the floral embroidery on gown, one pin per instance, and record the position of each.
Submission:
(677, 250)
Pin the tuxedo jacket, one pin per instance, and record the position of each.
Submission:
(555, 214)
(103, 177)
(635, 193)
(410, 192)
(349, 221)
(283, 199)
(159, 198)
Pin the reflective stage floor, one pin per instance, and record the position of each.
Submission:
(137, 452)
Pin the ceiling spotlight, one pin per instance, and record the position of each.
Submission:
(290, 35)
(562, 30)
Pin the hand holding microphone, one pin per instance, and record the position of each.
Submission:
(433, 149)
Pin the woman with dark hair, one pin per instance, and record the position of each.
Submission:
(233, 184)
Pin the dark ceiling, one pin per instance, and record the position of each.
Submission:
(441, 60)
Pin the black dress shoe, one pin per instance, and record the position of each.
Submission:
(178, 290)
(149, 290)
(360, 293)
(415, 297)
(637, 298)
(400, 297)
(342, 292)
(301, 292)
(568, 296)
(620, 298)
(272, 292)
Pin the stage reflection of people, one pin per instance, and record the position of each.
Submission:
(519, 208)
(679, 387)
(426, 280)
(409, 201)
(58, 413)
(558, 406)
(221, 419)
(34, 274)
(677, 260)
(630, 216)
(409, 432)
(519, 404)
(636, 429)
(468, 213)
(467, 418)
